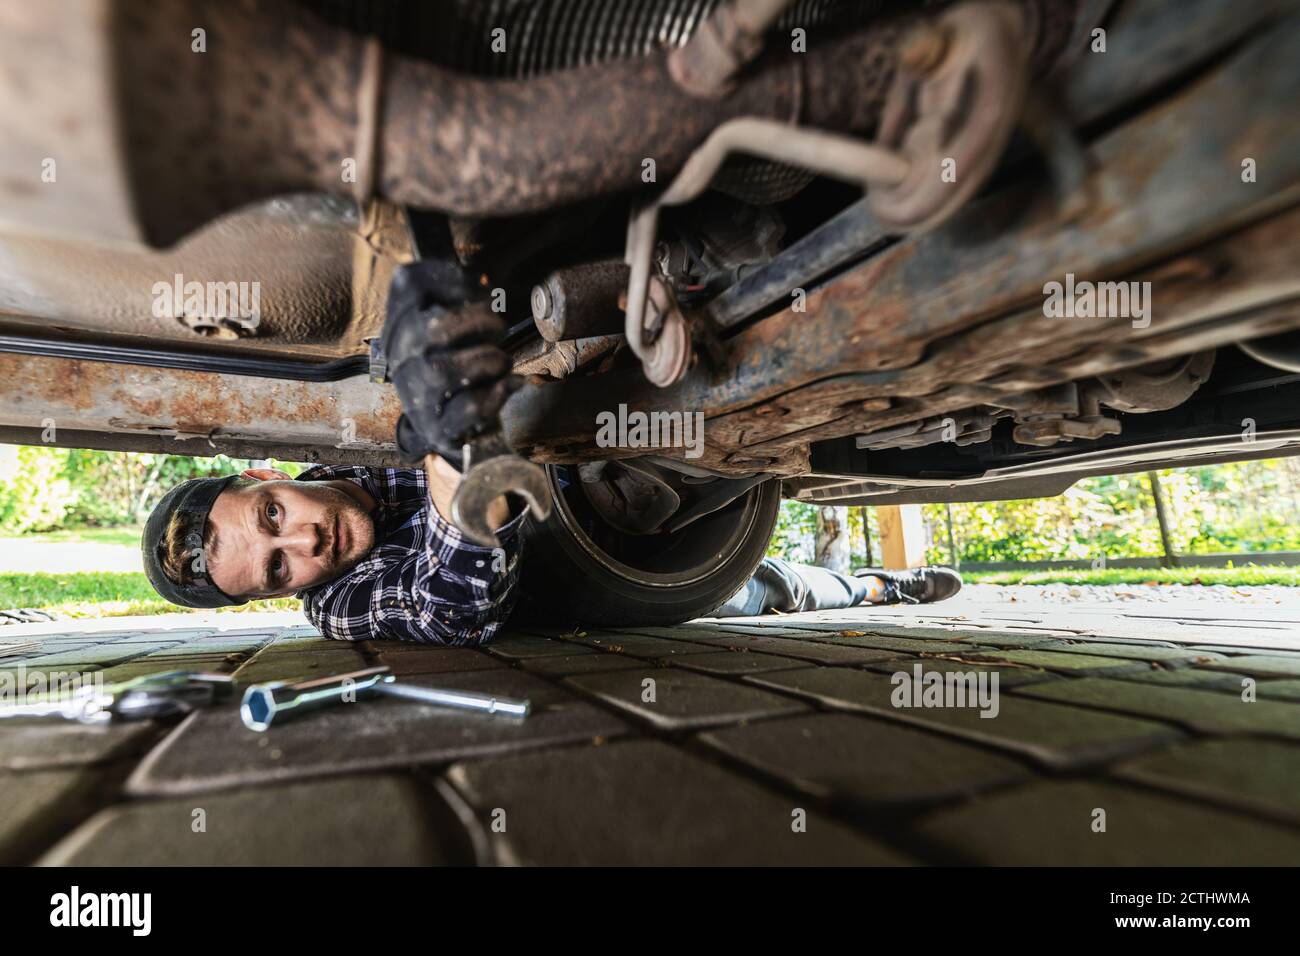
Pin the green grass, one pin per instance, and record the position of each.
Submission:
(1233, 577)
(102, 594)
(128, 535)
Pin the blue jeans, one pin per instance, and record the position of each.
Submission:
(778, 585)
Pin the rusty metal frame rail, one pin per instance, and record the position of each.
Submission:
(85, 404)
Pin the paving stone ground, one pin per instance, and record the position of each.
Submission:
(1130, 736)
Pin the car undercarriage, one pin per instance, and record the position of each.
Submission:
(889, 252)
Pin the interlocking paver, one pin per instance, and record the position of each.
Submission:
(750, 627)
(704, 631)
(1277, 689)
(192, 662)
(1185, 677)
(1058, 737)
(1009, 640)
(212, 750)
(922, 632)
(864, 761)
(208, 646)
(518, 648)
(84, 658)
(529, 631)
(1110, 641)
(781, 623)
(738, 662)
(1220, 681)
(1232, 650)
(51, 743)
(757, 718)
(373, 820)
(406, 660)
(646, 803)
(1207, 713)
(38, 806)
(43, 646)
(272, 663)
(1168, 656)
(928, 635)
(564, 665)
(1007, 676)
(683, 700)
(638, 645)
(54, 640)
(907, 645)
(301, 632)
(164, 635)
(1258, 776)
(820, 652)
(1258, 665)
(1052, 823)
(1059, 661)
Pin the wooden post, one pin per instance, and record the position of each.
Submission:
(902, 537)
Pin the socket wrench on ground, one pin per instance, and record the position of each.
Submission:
(273, 702)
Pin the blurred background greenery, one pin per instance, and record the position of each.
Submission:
(56, 489)
(1250, 506)
(70, 522)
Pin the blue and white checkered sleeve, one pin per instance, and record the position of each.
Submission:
(453, 592)
(346, 612)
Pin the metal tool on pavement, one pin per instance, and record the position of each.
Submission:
(153, 695)
(272, 702)
(490, 470)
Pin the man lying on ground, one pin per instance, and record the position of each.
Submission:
(372, 552)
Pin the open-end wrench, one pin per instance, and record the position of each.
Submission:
(451, 314)
(490, 469)
(152, 695)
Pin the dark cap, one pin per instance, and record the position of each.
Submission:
(191, 500)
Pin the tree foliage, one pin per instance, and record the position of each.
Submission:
(1249, 506)
(47, 489)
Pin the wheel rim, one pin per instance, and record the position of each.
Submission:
(697, 550)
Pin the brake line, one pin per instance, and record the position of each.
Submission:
(256, 367)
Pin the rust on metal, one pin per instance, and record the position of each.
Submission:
(271, 108)
(580, 301)
(955, 101)
(954, 319)
(229, 410)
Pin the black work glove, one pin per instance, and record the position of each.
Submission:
(439, 342)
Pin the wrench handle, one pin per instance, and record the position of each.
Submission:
(480, 448)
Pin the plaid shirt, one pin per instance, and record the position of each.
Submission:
(421, 581)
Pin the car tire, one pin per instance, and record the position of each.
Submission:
(579, 571)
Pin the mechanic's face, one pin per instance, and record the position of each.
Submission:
(280, 536)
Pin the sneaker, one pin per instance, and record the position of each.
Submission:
(920, 585)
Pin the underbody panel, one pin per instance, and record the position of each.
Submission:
(853, 359)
